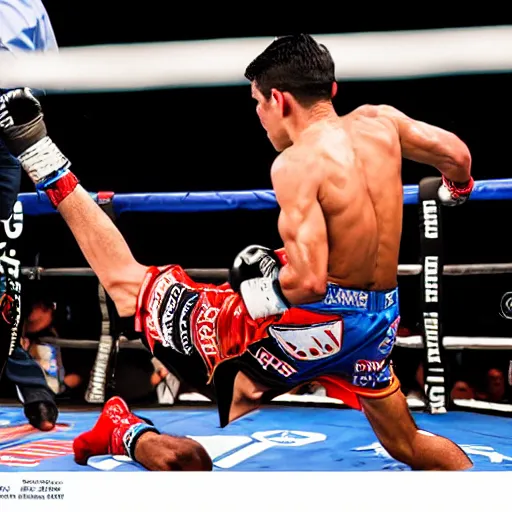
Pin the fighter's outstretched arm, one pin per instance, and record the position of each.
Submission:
(431, 145)
(302, 228)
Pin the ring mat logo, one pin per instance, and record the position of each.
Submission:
(31, 453)
(229, 451)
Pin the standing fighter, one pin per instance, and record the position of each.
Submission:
(324, 308)
(24, 26)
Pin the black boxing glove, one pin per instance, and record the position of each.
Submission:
(21, 120)
(255, 275)
(23, 130)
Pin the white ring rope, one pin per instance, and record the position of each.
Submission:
(412, 401)
(222, 273)
(195, 273)
(460, 269)
(290, 398)
(415, 341)
(221, 62)
(458, 342)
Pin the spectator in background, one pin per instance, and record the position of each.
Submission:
(40, 323)
(495, 387)
(462, 390)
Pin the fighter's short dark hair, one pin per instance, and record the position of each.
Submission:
(296, 64)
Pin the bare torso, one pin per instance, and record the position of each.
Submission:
(340, 191)
(361, 195)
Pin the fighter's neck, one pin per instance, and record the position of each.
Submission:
(307, 119)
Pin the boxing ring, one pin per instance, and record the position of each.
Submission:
(294, 432)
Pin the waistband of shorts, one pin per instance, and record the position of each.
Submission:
(338, 298)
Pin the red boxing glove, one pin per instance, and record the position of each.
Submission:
(451, 194)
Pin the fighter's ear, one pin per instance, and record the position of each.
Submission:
(334, 89)
(286, 100)
(277, 99)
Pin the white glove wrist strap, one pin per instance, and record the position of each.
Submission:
(42, 159)
(261, 298)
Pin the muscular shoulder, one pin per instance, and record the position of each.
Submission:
(382, 112)
(297, 159)
(285, 159)
(381, 120)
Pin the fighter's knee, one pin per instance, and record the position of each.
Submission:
(125, 308)
(123, 288)
(123, 297)
(400, 449)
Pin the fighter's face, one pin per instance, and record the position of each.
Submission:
(271, 117)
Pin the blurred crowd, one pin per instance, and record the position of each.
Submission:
(473, 374)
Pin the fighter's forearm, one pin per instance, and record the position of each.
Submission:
(104, 248)
(456, 166)
(431, 145)
(446, 152)
(300, 287)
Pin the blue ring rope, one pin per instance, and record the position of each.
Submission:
(484, 190)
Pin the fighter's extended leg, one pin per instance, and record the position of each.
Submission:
(399, 435)
(104, 248)
(24, 132)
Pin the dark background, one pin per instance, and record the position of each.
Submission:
(198, 139)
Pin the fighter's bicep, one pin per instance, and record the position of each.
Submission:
(302, 223)
(301, 217)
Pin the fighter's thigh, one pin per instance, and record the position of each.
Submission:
(391, 421)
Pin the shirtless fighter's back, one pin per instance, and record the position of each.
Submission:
(325, 307)
(352, 164)
(338, 183)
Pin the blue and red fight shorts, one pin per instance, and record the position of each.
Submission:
(342, 342)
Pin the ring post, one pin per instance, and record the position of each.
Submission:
(432, 261)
